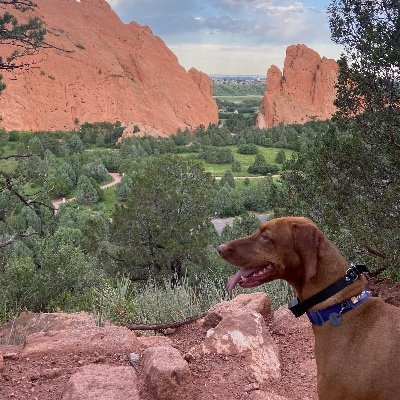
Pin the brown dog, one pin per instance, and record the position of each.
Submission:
(358, 358)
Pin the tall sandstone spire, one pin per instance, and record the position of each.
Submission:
(304, 91)
(110, 71)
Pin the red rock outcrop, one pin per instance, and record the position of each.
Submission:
(110, 71)
(304, 91)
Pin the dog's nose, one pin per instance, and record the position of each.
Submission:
(222, 249)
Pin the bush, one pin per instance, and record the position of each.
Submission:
(162, 302)
(248, 149)
(216, 155)
(261, 167)
(236, 166)
(280, 157)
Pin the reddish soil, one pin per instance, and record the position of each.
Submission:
(214, 377)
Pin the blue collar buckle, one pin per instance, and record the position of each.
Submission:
(334, 313)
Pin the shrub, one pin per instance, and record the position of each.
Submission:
(250, 148)
(217, 155)
(236, 166)
(280, 157)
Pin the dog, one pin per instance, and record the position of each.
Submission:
(357, 337)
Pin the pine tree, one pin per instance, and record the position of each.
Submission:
(87, 194)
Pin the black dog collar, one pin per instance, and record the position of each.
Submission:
(298, 307)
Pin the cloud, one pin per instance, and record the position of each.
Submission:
(114, 3)
(254, 60)
(210, 32)
(270, 6)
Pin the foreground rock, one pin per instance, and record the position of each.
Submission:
(242, 349)
(166, 373)
(102, 382)
(240, 329)
(106, 341)
(304, 91)
(27, 323)
(108, 71)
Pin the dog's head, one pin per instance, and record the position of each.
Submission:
(283, 248)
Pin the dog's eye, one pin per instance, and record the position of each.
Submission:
(264, 237)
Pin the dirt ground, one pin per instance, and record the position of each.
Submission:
(213, 377)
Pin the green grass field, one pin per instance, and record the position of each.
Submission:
(245, 160)
(239, 99)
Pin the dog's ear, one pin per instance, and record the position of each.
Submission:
(306, 242)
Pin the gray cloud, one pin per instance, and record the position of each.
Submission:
(204, 33)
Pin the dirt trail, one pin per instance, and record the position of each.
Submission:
(116, 179)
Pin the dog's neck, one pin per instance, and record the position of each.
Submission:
(328, 273)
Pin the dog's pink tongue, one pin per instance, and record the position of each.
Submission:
(235, 279)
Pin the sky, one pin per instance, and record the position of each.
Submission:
(233, 36)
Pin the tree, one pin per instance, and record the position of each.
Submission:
(261, 167)
(280, 156)
(236, 166)
(23, 39)
(87, 193)
(249, 148)
(96, 170)
(245, 225)
(74, 144)
(228, 179)
(348, 178)
(165, 220)
(227, 202)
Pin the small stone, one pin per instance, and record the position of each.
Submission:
(189, 357)
(134, 357)
(11, 356)
(251, 387)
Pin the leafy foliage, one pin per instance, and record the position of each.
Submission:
(165, 220)
(349, 178)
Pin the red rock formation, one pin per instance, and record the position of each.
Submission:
(304, 91)
(114, 71)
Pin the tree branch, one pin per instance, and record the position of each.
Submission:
(15, 155)
(14, 237)
(375, 252)
(157, 327)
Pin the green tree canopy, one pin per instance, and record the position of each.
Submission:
(348, 178)
(87, 193)
(165, 220)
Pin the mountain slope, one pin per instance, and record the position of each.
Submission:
(110, 71)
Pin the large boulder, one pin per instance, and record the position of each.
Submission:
(102, 382)
(257, 302)
(304, 91)
(238, 328)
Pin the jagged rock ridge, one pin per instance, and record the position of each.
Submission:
(305, 90)
(110, 71)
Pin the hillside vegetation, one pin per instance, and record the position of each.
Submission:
(141, 230)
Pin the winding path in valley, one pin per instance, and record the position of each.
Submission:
(116, 179)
